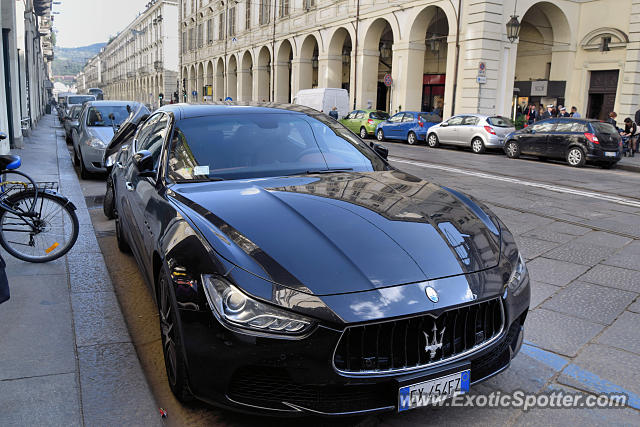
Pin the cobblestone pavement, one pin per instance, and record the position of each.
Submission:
(579, 230)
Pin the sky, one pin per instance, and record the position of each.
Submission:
(85, 22)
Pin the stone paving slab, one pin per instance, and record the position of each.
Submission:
(554, 272)
(624, 333)
(613, 277)
(541, 291)
(590, 302)
(558, 332)
(581, 253)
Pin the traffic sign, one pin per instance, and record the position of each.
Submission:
(482, 80)
(194, 93)
(482, 69)
(388, 80)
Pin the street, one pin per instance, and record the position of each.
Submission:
(579, 231)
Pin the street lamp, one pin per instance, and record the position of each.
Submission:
(513, 28)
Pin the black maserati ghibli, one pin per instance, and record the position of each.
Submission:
(296, 271)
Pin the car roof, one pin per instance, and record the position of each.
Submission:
(187, 110)
(111, 103)
(577, 119)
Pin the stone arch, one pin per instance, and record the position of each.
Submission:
(199, 83)
(209, 80)
(232, 78)
(340, 55)
(262, 75)
(377, 61)
(218, 92)
(307, 62)
(283, 72)
(246, 77)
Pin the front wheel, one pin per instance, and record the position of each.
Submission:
(172, 349)
(123, 245)
(513, 150)
(576, 157)
(411, 138)
(46, 234)
(363, 133)
(380, 135)
(477, 146)
(432, 141)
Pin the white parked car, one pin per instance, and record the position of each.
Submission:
(476, 131)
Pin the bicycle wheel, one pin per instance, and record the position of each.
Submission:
(49, 233)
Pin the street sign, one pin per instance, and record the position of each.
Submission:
(388, 80)
(482, 80)
(194, 93)
(482, 69)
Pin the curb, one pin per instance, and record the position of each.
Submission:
(630, 168)
(113, 387)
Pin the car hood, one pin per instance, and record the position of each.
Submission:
(341, 233)
(103, 133)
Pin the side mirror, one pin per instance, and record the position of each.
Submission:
(3, 136)
(111, 116)
(444, 124)
(381, 150)
(143, 160)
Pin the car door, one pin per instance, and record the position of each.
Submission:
(408, 123)
(392, 126)
(447, 134)
(125, 187)
(534, 140)
(144, 187)
(348, 119)
(466, 130)
(558, 141)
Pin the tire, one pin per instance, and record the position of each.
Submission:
(123, 245)
(108, 203)
(84, 173)
(512, 149)
(412, 139)
(380, 135)
(477, 146)
(576, 157)
(172, 347)
(432, 140)
(363, 133)
(76, 159)
(54, 213)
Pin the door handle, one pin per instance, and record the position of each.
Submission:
(119, 165)
(129, 186)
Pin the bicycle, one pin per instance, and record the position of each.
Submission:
(37, 224)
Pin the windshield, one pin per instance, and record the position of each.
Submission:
(99, 116)
(379, 115)
(500, 122)
(260, 145)
(80, 99)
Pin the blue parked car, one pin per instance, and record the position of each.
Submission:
(410, 126)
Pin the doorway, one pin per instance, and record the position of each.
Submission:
(602, 94)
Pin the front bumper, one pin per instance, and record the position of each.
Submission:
(296, 377)
(93, 158)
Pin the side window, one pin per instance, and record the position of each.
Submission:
(546, 126)
(145, 130)
(564, 126)
(351, 115)
(153, 141)
(396, 118)
(408, 117)
(360, 115)
(470, 121)
(579, 127)
(455, 121)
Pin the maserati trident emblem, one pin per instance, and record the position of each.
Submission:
(432, 294)
(434, 345)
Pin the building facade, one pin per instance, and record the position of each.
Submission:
(26, 52)
(141, 62)
(449, 55)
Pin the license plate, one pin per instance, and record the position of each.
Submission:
(611, 154)
(433, 391)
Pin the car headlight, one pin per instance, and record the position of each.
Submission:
(96, 143)
(238, 309)
(514, 284)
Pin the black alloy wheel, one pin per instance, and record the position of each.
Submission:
(513, 150)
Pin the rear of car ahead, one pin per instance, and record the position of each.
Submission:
(604, 144)
(424, 123)
(373, 118)
(495, 129)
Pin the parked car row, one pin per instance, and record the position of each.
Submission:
(265, 231)
(577, 141)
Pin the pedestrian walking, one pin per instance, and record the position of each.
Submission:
(631, 132)
(549, 113)
(532, 115)
(334, 113)
(563, 112)
(574, 113)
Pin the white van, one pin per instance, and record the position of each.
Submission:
(324, 99)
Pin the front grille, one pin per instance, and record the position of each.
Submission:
(269, 387)
(400, 344)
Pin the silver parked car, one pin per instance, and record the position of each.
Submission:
(98, 121)
(471, 130)
(70, 122)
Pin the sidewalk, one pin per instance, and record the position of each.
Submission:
(66, 357)
(631, 164)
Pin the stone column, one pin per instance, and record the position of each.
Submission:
(262, 83)
(282, 81)
(367, 79)
(330, 71)
(303, 72)
(244, 85)
(630, 94)
(8, 21)
(407, 72)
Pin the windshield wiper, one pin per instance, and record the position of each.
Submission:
(339, 170)
(209, 179)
